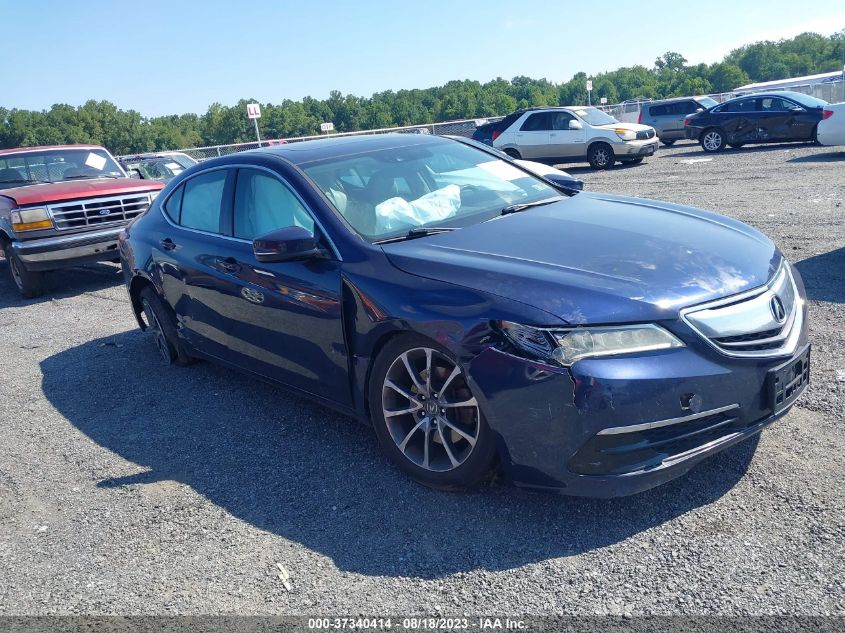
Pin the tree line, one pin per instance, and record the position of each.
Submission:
(128, 131)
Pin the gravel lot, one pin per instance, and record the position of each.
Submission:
(130, 488)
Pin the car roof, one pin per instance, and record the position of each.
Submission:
(673, 100)
(772, 93)
(45, 148)
(303, 152)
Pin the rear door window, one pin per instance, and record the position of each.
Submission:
(537, 122)
(202, 201)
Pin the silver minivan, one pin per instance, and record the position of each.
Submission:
(667, 115)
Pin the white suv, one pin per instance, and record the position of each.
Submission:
(573, 133)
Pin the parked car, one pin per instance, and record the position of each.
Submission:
(831, 130)
(557, 177)
(61, 206)
(153, 168)
(772, 117)
(575, 133)
(180, 158)
(592, 344)
(667, 115)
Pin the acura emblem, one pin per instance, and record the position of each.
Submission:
(778, 311)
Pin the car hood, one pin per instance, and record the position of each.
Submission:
(622, 125)
(597, 258)
(72, 189)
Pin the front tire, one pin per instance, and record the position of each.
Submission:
(601, 156)
(513, 153)
(712, 140)
(425, 416)
(161, 324)
(30, 284)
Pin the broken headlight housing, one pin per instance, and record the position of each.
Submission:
(565, 346)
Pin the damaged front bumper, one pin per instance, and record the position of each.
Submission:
(611, 427)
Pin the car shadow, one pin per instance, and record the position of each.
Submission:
(293, 468)
(822, 275)
(748, 149)
(575, 168)
(59, 284)
(833, 156)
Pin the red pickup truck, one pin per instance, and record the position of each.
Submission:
(63, 206)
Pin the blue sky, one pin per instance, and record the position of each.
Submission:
(182, 55)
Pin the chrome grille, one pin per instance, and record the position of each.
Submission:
(98, 211)
(763, 322)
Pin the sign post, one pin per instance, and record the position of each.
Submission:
(326, 127)
(589, 90)
(253, 111)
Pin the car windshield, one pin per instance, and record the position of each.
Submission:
(706, 102)
(385, 193)
(594, 116)
(808, 101)
(55, 165)
(158, 169)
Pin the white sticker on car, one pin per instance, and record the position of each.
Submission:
(96, 161)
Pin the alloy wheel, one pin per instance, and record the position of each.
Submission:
(429, 410)
(601, 157)
(712, 141)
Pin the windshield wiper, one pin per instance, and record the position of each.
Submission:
(420, 231)
(89, 176)
(516, 208)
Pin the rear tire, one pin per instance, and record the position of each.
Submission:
(513, 153)
(633, 161)
(736, 145)
(425, 416)
(601, 156)
(30, 284)
(161, 323)
(668, 143)
(712, 140)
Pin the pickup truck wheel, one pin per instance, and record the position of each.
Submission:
(161, 324)
(600, 156)
(29, 283)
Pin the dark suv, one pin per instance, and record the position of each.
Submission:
(667, 116)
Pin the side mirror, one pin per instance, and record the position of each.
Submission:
(287, 244)
(574, 124)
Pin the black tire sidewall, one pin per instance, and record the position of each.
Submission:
(477, 466)
(513, 153)
(167, 321)
(32, 282)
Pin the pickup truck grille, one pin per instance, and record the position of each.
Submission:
(98, 211)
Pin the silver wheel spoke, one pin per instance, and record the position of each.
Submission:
(428, 354)
(400, 390)
(455, 373)
(472, 402)
(408, 437)
(469, 438)
(412, 373)
(427, 441)
(390, 414)
(451, 455)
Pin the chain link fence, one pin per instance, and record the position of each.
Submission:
(831, 91)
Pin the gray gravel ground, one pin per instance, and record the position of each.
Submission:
(129, 488)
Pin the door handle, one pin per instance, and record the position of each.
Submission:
(227, 263)
(167, 244)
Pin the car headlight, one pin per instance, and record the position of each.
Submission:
(566, 346)
(31, 219)
(626, 135)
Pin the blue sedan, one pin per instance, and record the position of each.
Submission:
(476, 316)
